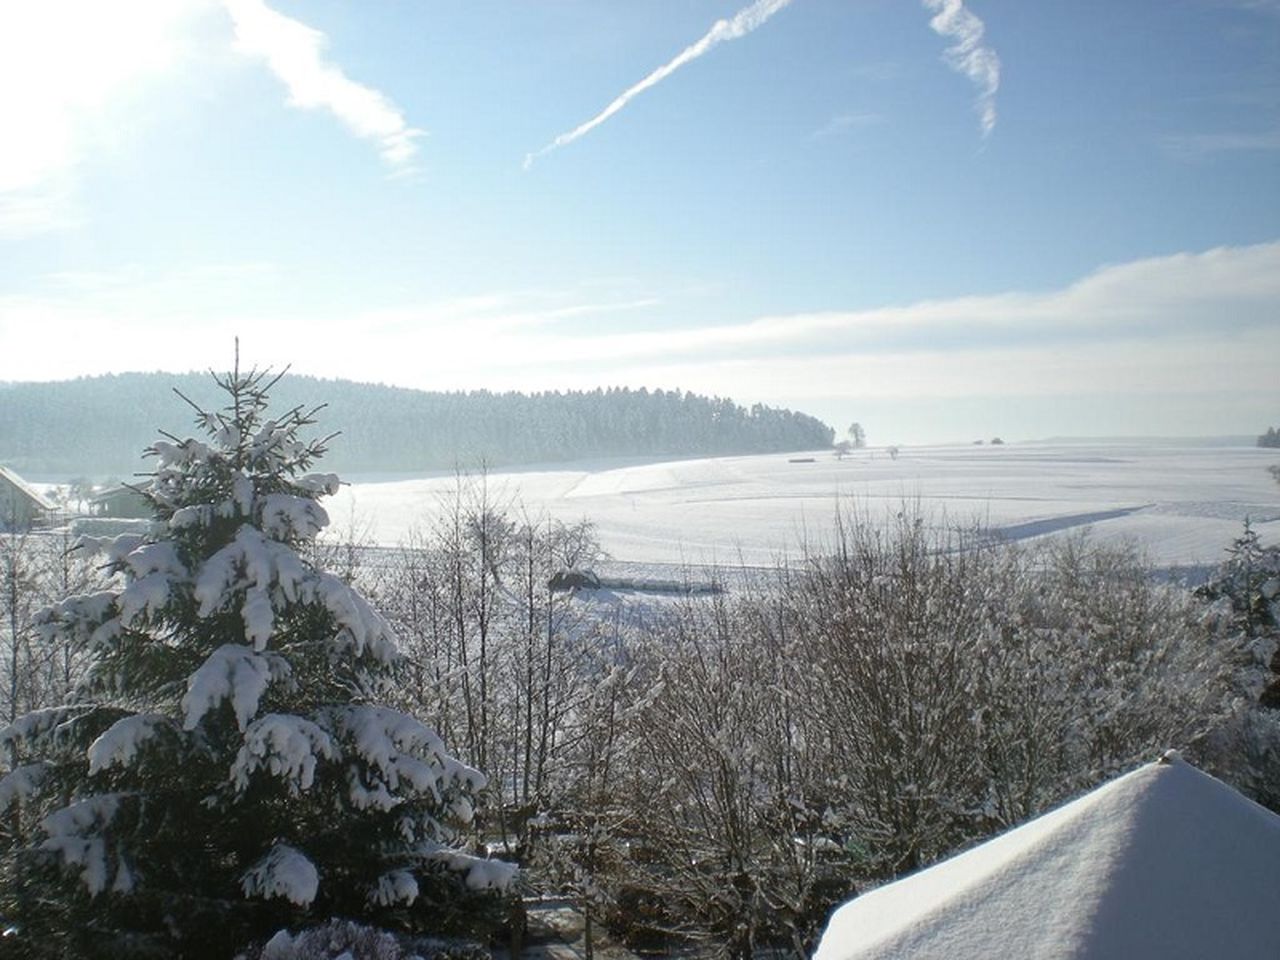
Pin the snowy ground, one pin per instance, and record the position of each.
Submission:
(1184, 504)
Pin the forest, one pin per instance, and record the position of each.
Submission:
(98, 426)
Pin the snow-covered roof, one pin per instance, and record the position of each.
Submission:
(25, 488)
(1165, 862)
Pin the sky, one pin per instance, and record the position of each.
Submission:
(945, 220)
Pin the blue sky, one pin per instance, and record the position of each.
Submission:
(943, 219)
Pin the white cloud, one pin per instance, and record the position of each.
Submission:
(38, 209)
(1134, 366)
(844, 122)
(1185, 324)
(1197, 146)
(1213, 295)
(739, 25)
(294, 53)
(64, 65)
(71, 69)
(968, 55)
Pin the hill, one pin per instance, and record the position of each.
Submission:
(99, 425)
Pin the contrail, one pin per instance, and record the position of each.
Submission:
(967, 55)
(739, 25)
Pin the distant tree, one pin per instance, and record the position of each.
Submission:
(842, 448)
(857, 436)
(1270, 439)
(996, 441)
(1244, 594)
(19, 588)
(37, 568)
(89, 425)
(893, 453)
(227, 768)
(79, 491)
(1249, 583)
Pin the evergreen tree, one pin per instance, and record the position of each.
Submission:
(227, 769)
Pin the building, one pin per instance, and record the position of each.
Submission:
(21, 506)
(1165, 863)
(120, 500)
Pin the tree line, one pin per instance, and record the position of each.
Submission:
(99, 425)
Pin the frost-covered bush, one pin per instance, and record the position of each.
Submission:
(227, 768)
(893, 698)
(345, 940)
(36, 569)
(970, 685)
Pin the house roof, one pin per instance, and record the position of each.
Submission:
(1165, 862)
(25, 489)
(116, 490)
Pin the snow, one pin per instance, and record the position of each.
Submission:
(485, 874)
(271, 573)
(463, 810)
(33, 726)
(197, 515)
(285, 746)
(119, 743)
(148, 558)
(283, 872)
(398, 753)
(279, 947)
(232, 672)
(123, 882)
(254, 562)
(20, 783)
(76, 832)
(86, 617)
(481, 872)
(143, 598)
(396, 886)
(1165, 862)
(319, 483)
(284, 516)
(1183, 504)
(361, 628)
(336, 939)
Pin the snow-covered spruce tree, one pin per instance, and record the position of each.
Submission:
(226, 770)
(1243, 600)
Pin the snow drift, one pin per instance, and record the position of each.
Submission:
(1165, 862)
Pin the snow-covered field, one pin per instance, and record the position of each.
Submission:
(1184, 504)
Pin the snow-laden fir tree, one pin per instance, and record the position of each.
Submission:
(227, 769)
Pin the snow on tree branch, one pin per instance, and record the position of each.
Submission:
(76, 834)
(286, 747)
(397, 753)
(21, 782)
(363, 629)
(481, 872)
(395, 886)
(119, 743)
(283, 872)
(28, 730)
(236, 673)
